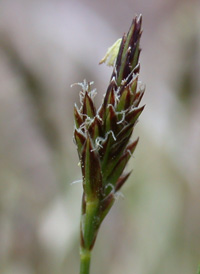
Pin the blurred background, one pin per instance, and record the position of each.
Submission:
(45, 46)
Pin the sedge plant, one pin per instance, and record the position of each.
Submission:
(103, 136)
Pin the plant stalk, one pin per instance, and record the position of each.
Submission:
(85, 256)
(89, 227)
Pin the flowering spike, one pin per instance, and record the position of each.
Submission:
(103, 137)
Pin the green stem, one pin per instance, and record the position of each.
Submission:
(89, 227)
(85, 256)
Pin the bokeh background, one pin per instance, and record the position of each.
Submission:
(45, 46)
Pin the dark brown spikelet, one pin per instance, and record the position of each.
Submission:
(103, 136)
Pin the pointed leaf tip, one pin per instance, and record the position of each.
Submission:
(131, 147)
(88, 107)
(91, 171)
(133, 115)
(121, 181)
(80, 140)
(77, 117)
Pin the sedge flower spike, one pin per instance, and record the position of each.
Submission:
(103, 136)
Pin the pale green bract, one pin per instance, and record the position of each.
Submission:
(111, 54)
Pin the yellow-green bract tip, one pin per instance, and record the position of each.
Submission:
(111, 54)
